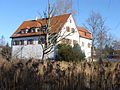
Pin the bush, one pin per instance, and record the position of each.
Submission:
(69, 53)
(78, 53)
(65, 52)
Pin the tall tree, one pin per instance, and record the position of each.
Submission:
(96, 24)
(63, 7)
(6, 52)
(51, 39)
(116, 44)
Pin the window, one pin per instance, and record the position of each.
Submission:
(44, 28)
(66, 41)
(82, 43)
(70, 21)
(75, 42)
(21, 42)
(68, 29)
(38, 29)
(73, 30)
(16, 42)
(29, 31)
(88, 45)
(85, 33)
(33, 30)
(23, 31)
(41, 40)
(30, 41)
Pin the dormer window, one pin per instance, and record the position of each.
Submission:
(44, 28)
(38, 30)
(29, 31)
(23, 31)
(33, 30)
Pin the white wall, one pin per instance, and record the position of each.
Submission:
(35, 50)
(85, 48)
(72, 36)
(28, 51)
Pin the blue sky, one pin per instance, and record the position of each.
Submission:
(14, 12)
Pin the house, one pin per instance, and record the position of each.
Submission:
(25, 40)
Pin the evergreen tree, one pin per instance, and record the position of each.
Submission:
(68, 53)
(78, 53)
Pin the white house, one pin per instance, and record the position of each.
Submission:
(25, 40)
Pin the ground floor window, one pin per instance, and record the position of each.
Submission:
(30, 41)
(15, 42)
(66, 41)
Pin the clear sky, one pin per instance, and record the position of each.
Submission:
(14, 12)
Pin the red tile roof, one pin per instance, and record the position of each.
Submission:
(84, 33)
(56, 23)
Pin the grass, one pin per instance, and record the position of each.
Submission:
(36, 75)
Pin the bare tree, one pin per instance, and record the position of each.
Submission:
(116, 44)
(6, 52)
(96, 24)
(64, 6)
(51, 38)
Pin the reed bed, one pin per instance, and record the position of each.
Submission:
(56, 75)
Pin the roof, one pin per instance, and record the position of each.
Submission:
(56, 23)
(84, 33)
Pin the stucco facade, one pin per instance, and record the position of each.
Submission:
(26, 50)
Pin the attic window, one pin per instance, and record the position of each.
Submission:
(29, 31)
(68, 29)
(38, 29)
(33, 30)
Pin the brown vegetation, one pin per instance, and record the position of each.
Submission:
(36, 75)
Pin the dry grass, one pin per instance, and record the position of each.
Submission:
(36, 75)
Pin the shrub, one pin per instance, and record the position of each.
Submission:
(78, 53)
(68, 53)
(65, 52)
